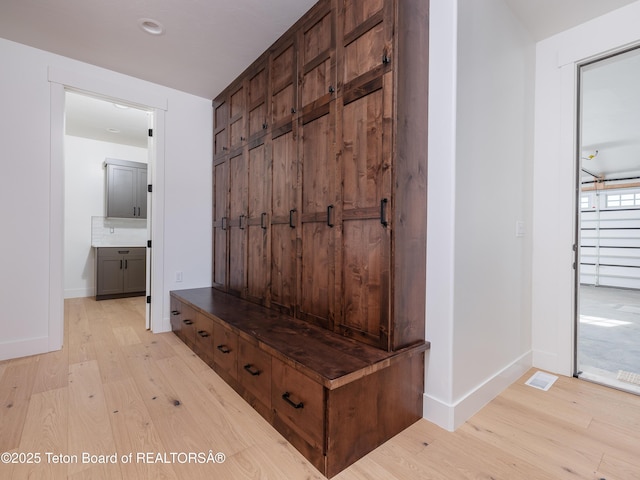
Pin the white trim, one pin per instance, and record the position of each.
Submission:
(158, 322)
(61, 79)
(27, 347)
(56, 221)
(451, 416)
(100, 87)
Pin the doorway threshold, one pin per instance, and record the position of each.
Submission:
(610, 379)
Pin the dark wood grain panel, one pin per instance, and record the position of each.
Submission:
(225, 349)
(298, 401)
(283, 222)
(393, 397)
(356, 13)
(410, 195)
(254, 371)
(238, 199)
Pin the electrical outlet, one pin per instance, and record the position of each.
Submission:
(178, 276)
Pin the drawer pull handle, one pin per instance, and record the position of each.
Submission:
(223, 349)
(285, 397)
(263, 220)
(203, 334)
(252, 370)
(175, 312)
(188, 322)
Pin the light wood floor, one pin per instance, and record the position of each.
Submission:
(116, 388)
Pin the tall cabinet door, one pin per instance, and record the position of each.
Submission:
(220, 222)
(366, 222)
(364, 306)
(284, 222)
(319, 216)
(259, 248)
(238, 199)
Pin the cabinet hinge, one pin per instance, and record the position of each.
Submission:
(148, 298)
(148, 243)
(151, 132)
(149, 188)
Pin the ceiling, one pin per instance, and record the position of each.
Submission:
(206, 43)
(99, 119)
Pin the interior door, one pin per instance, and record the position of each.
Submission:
(607, 341)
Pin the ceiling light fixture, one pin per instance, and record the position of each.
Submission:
(151, 26)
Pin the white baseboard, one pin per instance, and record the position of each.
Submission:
(451, 416)
(79, 293)
(24, 348)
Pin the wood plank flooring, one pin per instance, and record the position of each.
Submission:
(116, 388)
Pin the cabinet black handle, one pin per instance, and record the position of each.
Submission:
(385, 58)
(134, 211)
(224, 223)
(242, 139)
(138, 211)
(241, 222)
(224, 149)
(120, 264)
(263, 220)
(252, 370)
(285, 397)
(293, 110)
(223, 349)
(383, 212)
(203, 334)
(330, 216)
(126, 264)
(291, 212)
(187, 322)
(264, 126)
(331, 89)
(175, 312)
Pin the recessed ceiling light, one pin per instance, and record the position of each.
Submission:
(113, 130)
(151, 26)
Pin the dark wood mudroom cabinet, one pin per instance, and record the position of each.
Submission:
(319, 223)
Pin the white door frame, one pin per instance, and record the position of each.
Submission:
(553, 280)
(95, 86)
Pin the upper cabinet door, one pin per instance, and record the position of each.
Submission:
(237, 117)
(367, 39)
(257, 103)
(283, 85)
(318, 60)
(220, 128)
(126, 189)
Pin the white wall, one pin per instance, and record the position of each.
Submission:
(84, 179)
(480, 328)
(554, 177)
(28, 225)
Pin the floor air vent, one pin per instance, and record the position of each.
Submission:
(541, 380)
(629, 377)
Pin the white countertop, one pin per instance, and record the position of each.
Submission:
(115, 245)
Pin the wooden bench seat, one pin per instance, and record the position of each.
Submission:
(333, 398)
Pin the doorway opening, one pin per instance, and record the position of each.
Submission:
(607, 340)
(103, 136)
